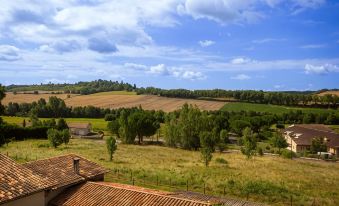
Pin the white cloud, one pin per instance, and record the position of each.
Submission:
(221, 11)
(268, 40)
(192, 75)
(206, 43)
(9, 53)
(240, 60)
(320, 69)
(160, 69)
(313, 46)
(279, 86)
(241, 77)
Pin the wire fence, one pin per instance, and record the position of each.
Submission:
(130, 177)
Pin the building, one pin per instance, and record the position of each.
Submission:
(71, 180)
(80, 129)
(36, 183)
(299, 137)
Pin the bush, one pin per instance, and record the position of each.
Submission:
(287, 154)
(221, 160)
(54, 137)
(260, 151)
(21, 133)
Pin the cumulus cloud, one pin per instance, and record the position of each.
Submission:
(9, 53)
(102, 45)
(240, 60)
(241, 77)
(221, 11)
(164, 70)
(320, 69)
(206, 43)
(61, 46)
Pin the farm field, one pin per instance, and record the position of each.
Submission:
(329, 92)
(115, 100)
(267, 179)
(275, 109)
(97, 124)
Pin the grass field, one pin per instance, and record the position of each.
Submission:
(268, 179)
(276, 109)
(97, 124)
(115, 100)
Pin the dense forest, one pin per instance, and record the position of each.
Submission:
(290, 98)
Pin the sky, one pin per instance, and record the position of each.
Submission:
(193, 44)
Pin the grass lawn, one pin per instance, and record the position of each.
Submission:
(276, 109)
(114, 93)
(97, 124)
(267, 179)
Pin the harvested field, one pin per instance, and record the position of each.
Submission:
(22, 98)
(113, 101)
(329, 92)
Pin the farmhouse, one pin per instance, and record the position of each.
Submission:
(299, 137)
(81, 129)
(71, 180)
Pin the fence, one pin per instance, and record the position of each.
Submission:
(128, 176)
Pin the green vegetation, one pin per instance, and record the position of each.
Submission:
(111, 147)
(267, 179)
(97, 124)
(267, 108)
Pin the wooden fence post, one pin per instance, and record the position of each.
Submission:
(224, 191)
(291, 201)
(157, 180)
(204, 188)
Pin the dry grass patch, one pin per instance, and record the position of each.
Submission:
(267, 179)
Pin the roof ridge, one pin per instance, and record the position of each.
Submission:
(145, 192)
(47, 158)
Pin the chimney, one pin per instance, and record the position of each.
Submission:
(76, 165)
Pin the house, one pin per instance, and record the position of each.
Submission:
(36, 183)
(80, 129)
(71, 180)
(299, 137)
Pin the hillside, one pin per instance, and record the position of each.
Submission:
(118, 99)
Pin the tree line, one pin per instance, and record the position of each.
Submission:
(251, 96)
(77, 88)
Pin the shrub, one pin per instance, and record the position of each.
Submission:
(287, 154)
(221, 160)
(260, 151)
(54, 137)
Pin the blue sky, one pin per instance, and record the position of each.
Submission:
(194, 44)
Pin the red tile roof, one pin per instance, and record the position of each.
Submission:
(17, 181)
(303, 134)
(107, 194)
(60, 170)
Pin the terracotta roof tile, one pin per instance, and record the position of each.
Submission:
(60, 170)
(17, 181)
(107, 194)
(303, 134)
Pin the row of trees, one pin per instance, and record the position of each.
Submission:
(130, 124)
(253, 96)
(77, 88)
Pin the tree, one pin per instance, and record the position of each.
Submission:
(318, 144)
(223, 141)
(2, 95)
(239, 125)
(54, 137)
(61, 125)
(249, 142)
(278, 141)
(24, 123)
(111, 146)
(65, 134)
(114, 126)
(207, 147)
